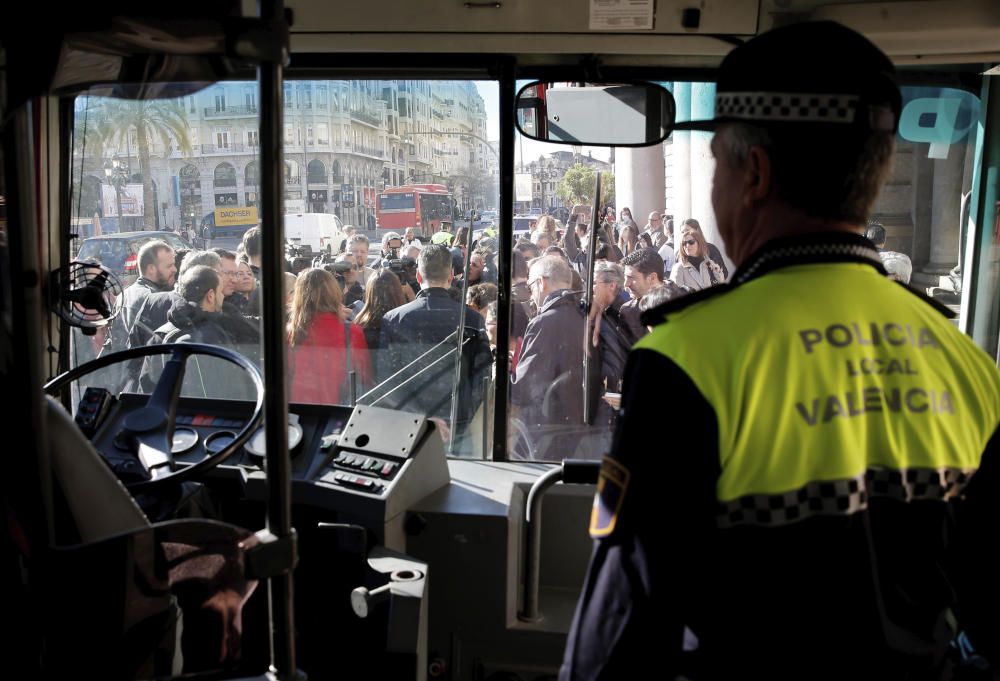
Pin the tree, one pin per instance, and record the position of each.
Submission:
(577, 185)
(161, 121)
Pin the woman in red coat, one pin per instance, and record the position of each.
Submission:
(319, 361)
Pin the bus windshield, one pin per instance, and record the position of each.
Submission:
(198, 154)
(158, 168)
(389, 202)
(434, 207)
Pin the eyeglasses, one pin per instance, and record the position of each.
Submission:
(532, 282)
(241, 275)
(690, 242)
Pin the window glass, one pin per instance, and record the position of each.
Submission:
(647, 196)
(384, 186)
(140, 174)
(149, 203)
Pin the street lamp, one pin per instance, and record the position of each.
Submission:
(116, 171)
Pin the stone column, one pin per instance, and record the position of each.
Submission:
(639, 180)
(703, 167)
(680, 170)
(945, 208)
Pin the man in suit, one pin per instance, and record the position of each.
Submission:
(420, 340)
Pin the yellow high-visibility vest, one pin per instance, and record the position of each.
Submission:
(851, 386)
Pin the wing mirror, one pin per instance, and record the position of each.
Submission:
(594, 114)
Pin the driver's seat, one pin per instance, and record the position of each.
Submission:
(134, 599)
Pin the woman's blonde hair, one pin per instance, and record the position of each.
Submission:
(547, 224)
(316, 291)
(695, 232)
(623, 242)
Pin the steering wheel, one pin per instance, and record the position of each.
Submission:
(150, 429)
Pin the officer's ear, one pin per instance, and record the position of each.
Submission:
(757, 175)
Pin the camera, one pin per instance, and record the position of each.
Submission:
(401, 266)
(338, 268)
(353, 291)
(297, 258)
(404, 268)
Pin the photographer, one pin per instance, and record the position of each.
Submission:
(345, 271)
(391, 244)
(297, 258)
(406, 270)
(403, 267)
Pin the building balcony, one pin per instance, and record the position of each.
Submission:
(233, 148)
(231, 112)
(368, 151)
(371, 119)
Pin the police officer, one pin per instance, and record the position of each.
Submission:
(823, 504)
(443, 236)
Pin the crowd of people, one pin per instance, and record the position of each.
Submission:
(383, 329)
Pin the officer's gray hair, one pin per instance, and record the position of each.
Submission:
(828, 173)
(553, 268)
(738, 138)
(610, 272)
(196, 258)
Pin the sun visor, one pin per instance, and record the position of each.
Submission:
(139, 57)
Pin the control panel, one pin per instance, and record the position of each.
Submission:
(366, 464)
(381, 462)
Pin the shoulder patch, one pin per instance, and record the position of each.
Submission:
(658, 314)
(936, 304)
(611, 487)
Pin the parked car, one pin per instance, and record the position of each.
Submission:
(120, 252)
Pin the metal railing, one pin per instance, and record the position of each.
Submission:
(230, 111)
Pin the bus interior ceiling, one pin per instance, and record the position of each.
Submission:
(418, 518)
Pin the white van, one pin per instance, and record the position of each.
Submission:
(321, 232)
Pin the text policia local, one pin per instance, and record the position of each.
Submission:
(874, 338)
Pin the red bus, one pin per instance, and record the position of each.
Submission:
(420, 206)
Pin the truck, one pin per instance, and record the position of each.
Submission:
(320, 232)
(229, 222)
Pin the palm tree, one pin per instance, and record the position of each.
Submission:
(161, 121)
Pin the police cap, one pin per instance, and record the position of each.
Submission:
(818, 73)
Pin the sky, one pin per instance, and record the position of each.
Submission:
(490, 92)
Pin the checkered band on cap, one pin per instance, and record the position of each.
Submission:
(788, 107)
(843, 497)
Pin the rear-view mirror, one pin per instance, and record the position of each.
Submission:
(612, 114)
